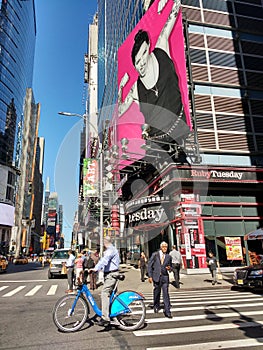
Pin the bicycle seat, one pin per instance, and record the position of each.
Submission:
(119, 277)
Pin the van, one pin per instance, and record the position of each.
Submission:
(59, 257)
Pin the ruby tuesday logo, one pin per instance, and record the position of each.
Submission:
(216, 174)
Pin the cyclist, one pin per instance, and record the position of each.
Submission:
(110, 265)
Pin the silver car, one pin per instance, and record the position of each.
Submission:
(59, 257)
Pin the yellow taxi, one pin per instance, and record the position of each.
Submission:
(3, 263)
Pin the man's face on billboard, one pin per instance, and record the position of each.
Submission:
(142, 58)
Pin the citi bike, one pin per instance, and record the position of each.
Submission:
(127, 309)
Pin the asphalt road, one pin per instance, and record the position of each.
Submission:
(203, 319)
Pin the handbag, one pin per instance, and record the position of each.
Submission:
(219, 275)
(64, 270)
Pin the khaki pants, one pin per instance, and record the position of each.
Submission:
(109, 284)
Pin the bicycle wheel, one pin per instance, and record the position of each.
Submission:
(133, 319)
(61, 313)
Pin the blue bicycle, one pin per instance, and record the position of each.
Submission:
(127, 309)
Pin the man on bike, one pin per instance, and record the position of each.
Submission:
(110, 265)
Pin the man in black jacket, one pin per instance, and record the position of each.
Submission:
(159, 265)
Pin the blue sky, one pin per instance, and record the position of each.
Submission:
(58, 85)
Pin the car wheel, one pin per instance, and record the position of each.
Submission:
(50, 275)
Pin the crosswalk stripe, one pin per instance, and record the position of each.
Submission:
(212, 301)
(3, 287)
(212, 298)
(199, 296)
(194, 329)
(33, 291)
(52, 290)
(211, 307)
(198, 292)
(23, 281)
(225, 344)
(203, 317)
(14, 291)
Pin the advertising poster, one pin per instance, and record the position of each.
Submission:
(233, 248)
(152, 78)
(187, 246)
(90, 177)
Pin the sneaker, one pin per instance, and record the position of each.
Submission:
(69, 291)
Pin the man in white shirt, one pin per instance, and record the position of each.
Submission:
(176, 265)
(70, 271)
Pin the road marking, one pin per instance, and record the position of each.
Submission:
(211, 302)
(33, 291)
(202, 317)
(52, 289)
(240, 343)
(195, 329)
(4, 287)
(23, 281)
(214, 297)
(211, 307)
(14, 291)
(199, 292)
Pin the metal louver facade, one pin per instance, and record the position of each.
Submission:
(226, 53)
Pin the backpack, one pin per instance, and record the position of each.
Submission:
(88, 263)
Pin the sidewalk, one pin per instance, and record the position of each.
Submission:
(188, 282)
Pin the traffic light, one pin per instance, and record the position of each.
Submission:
(29, 187)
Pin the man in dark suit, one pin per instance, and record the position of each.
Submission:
(159, 265)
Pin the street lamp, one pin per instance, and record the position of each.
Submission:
(88, 123)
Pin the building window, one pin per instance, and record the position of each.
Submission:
(10, 193)
(11, 179)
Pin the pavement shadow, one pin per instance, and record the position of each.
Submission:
(31, 266)
(174, 284)
(251, 328)
(229, 279)
(211, 314)
(210, 281)
(257, 291)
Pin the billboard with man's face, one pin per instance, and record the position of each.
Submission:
(152, 78)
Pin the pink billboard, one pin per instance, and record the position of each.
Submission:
(152, 79)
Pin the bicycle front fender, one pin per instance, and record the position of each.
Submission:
(122, 301)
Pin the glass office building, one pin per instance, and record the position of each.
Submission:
(116, 20)
(17, 47)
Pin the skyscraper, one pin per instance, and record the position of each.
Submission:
(17, 39)
(17, 47)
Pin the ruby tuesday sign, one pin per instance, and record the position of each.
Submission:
(149, 210)
(217, 174)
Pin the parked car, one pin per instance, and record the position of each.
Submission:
(20, 260)
(59, 257)
(249, 276)
(3, 263)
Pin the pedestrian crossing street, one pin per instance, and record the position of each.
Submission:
(225, 319)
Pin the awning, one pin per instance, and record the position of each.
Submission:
(7, 215)
(258, 234)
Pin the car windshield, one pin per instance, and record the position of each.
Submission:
(60, 255)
